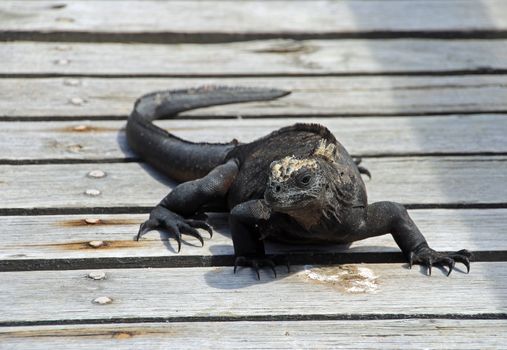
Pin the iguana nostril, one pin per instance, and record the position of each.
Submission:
(277, 188)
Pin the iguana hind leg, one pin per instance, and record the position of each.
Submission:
(389, 217)
(174, 213)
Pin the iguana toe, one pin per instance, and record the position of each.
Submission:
(255, 263)
(200, 224)
(363, 170)
(147, 226)
(463, 256)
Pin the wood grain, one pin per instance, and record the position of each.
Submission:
(268, 57)
(369, 289)
(68, 236)
(408, 180)
(104, 79)
(99, 140)
(312, 96)
(273, 17)
(392, 334)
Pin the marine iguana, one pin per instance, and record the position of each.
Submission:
(297, 185)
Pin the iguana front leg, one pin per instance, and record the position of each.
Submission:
(173, 212)
(390, 217)
(246, 222)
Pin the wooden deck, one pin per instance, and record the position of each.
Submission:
(416, 88)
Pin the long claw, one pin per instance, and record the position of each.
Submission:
(272, 265)
(192, 232)
(429, 264)
(467, 264)
(200, 224)
(178, 239)
(177, 234)
(174, 229)
(142, 230)
(147, 226)
(462, 259)
(411, 260)
(238, 261)
(363, 170)
(286, 262)
(451, 267)
(255, 266)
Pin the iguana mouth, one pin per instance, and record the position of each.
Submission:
(286, 207)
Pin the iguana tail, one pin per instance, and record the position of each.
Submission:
(179, 159)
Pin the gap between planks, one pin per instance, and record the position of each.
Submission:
(164, 38)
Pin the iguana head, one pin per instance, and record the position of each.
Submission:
(297, 184)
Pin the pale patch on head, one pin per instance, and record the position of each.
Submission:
(282, 170)
(325, 151)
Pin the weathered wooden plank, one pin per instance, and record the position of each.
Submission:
(98, 140)
(68, 236)
(312, 96)
(368, 289)
(408, 180)
(254, 57)
(275, 17)
(392, 334)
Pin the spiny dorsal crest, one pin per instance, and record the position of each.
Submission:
(325, 151)
(282, 170)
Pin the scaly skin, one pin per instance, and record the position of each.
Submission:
(296, 185)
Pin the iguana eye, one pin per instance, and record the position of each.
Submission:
(305, 180)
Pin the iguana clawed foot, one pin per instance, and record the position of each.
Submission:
(161, 218)
(429, 257)
(258, 262)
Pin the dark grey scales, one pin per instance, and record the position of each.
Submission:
(297, 185)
